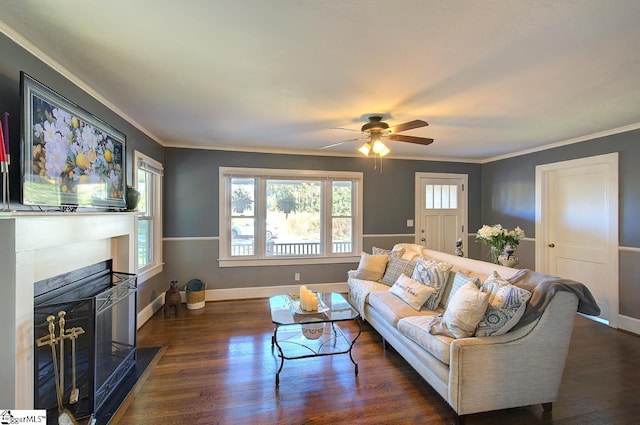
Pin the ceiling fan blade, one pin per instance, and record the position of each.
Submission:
(344, 128)
(408, 126)
(411, 139)
(333, 145)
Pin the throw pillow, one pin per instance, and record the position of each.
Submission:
(395, 267)
(459, 280)
(434, 274)
(464, 312)
(412, 292)
(371, 267)
(390, 252)
(507, 303)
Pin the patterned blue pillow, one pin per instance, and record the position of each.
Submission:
(507, 303)
(459, 280)
(391, 253)
(395, 267)
(434, 274)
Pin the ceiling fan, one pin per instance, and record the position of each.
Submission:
(376, 130)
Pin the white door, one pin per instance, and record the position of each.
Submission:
(577, 226)
(441, 213)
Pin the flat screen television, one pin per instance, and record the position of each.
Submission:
(70, 158)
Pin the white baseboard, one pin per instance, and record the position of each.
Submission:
(629, 324)
(150, 310)
(269, 291)
(240, 294)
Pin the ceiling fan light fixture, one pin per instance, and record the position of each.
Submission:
(384, 152)
(378, 147)
(365, 149)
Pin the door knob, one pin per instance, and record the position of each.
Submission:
(551, 245)
(423, 240)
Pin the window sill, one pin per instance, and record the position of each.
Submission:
(149, 271)
(252, 262)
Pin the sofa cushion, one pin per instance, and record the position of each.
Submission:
(464, 312)
(415, 328)
(371, 267)
(410, 291)
(434, 274)
(507, 303)
(392, 308)
(395, 267)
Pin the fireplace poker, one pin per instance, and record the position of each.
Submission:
(73, 397)
(61, 323)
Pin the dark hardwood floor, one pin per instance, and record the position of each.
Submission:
(217, 367)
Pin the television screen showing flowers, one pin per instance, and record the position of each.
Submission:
(70, 157)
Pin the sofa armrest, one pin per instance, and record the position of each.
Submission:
(516, 369)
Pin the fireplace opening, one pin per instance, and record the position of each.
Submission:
(85, 339)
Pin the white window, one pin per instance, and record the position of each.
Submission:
(148, 180)
(289, 216)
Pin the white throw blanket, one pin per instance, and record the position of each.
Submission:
(359, 291)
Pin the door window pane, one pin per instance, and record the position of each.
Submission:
(439, 196)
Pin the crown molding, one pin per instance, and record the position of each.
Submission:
(572, 141)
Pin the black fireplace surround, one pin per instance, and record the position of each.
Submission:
(103, 303)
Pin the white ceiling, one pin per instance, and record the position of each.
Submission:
(490, 77)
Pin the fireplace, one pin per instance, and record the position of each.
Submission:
(84, 338)
(39, 245)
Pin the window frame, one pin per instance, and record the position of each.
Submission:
(225, 174)
(146, 163)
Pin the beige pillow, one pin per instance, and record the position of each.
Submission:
(371, 267)
(411, 292)
(465, 310)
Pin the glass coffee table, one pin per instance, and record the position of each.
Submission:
(300, 334)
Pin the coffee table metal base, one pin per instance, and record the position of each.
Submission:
(292, 344)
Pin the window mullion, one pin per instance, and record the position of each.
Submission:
(325, 217)
(259, 218)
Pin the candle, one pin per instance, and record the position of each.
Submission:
(302, 296)
(308, 300)
(305, 299)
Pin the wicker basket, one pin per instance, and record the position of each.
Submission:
(195, 292)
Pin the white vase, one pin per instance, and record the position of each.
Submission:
(508, 261)
(508, 258)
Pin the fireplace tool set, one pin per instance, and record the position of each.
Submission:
(64, 416)
(4, 162)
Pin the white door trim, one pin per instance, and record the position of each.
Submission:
(464, 201)
(542, 172)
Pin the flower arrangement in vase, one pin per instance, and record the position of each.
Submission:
(502, 243)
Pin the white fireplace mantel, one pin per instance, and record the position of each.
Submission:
(36, 246)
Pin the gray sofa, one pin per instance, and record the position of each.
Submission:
(474, 374)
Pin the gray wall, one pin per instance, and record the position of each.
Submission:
(191, 211)
(191, 187)
(508, 193)
(15, 59)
